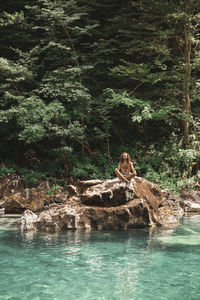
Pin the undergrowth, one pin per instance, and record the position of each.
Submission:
(165, 163)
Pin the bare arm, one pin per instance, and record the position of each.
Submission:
(132, 169)
(119, 166)
(119, 174)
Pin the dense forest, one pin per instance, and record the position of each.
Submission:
(83, 81)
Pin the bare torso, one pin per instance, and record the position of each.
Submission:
(127, 170)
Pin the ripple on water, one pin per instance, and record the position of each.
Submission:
(135, 264)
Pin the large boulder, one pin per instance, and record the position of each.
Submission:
(105, 204)
(107, 194)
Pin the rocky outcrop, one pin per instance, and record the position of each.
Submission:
(101, 204)
(184, 202)
(15, 198)
(174, 202)
(107, 204)
(190, 201)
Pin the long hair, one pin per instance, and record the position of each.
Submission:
(125, 161)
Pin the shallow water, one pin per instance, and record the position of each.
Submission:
(135, 264)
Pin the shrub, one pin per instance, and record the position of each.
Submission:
(6, 171)
(31, 177)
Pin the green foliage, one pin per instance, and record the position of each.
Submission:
(50, 168)
(10, 19)
(4, 171)
(79, 85)
(30, 177)
(42, 96)
(142, 110)
(169, 165)
(53, 189)
(85, 169)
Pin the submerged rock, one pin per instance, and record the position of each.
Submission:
(105, 204)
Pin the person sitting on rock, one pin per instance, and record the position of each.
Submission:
(127, 169)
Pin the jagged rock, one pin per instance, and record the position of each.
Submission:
(106, 194)
(9, 185)
(88, 183)
(106, 204)
(193, 196)
(14, 204)
(2, 211)
(190, 206)
(20, 201)
(72, 190)
(15, 198)
(186, 201)
(174, 203)
(28, 220)
(2, 204)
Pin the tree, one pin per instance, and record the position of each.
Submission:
(90, 79)
(160, 45)
(184, 23)
(46, 94)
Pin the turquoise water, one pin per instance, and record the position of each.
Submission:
(134, 264)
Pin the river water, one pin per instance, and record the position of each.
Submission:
(78, 265)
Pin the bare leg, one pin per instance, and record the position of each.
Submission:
(120, 176)
(132, 175)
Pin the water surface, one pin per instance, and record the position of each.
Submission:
(97, 265)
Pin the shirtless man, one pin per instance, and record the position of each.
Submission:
(127, 169)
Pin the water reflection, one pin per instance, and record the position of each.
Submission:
(183, 238)
(58, 238)
(149, 238)
(7, 223)
(145, 237)
(132, 264)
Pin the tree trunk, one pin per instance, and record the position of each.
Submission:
(186, 85)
